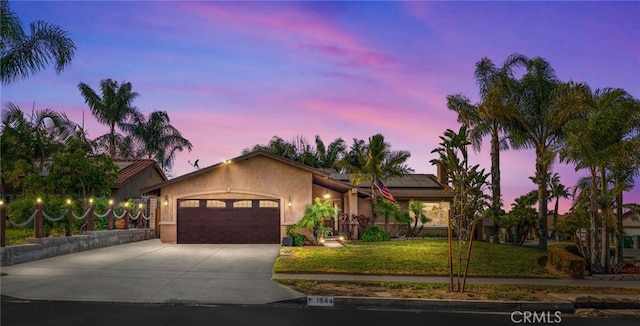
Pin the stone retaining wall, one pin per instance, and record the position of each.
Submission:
(56, 246)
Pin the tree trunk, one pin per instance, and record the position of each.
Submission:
(605, 252)
(495, 183)
(593, 218)
(541, 178)
(619, 201)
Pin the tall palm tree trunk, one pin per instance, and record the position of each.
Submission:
(605, 253)
(495, 183)
(619, 201)
(593, 218)
(541, 176)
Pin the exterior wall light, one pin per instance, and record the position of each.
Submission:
(39, 200)
(326, 195)
(166, 200)
(289, 203)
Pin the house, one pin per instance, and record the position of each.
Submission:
(254, 197)
(134, 175)
(631, 223)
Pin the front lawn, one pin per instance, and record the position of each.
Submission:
(419, 257)
(18, 236)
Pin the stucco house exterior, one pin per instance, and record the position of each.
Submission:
(254, 197)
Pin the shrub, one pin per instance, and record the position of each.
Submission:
(375, 233)
(562, 260)
(298, 239)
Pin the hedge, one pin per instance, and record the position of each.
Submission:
(561, 259)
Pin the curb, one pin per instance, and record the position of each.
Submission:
(443, 305)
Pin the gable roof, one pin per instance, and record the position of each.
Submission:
(314, 171)
(129, 169)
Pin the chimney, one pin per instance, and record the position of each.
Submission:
(442, 174)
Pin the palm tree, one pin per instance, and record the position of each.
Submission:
(536, 122)
(278, 146)
(158, 138)
(557, 191)
(114, 108)
(368, 161)
(598, 142)
(43, 131)
(495, 89)
(27, 139)
(300, 150)
(328, 156)
(22, 55)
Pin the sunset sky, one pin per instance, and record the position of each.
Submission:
(234, 74)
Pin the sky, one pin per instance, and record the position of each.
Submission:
(235, 74)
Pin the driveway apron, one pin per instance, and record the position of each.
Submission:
(152, 272)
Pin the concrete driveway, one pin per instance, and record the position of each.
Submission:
(152, 272)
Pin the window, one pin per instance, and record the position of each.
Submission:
(242, 204)
(190, 203)
(216, 203)
(268, 204)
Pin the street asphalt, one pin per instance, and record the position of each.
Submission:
(152, 272)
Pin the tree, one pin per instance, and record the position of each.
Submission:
(314, 216)
(598, 142)
(467, 185)
(328, 156)
(278, 146)
(496, 88)
(417, 208)
(536, 122)
(27, 141)
(368, 161)
(74, 173)
(113, 109)
(300, 150)
(159, 140)
(522, 217)
(557, 191)
(22, 55)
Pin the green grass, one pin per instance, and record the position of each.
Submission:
(420, 257)
(18, 236)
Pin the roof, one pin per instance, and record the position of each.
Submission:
(129, 169)
(407, 181)
(314, 171)
(405, 187)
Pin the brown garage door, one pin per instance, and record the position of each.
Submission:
(228, 221)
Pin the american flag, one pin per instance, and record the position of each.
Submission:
(384, 191)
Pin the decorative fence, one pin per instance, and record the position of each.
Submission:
(39, 215)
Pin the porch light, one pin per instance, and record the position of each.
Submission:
(289, 203)
(90, 200)
(110, 201)
(69, 202)
(1, 202)
(140, 206)
(326, 195)
(166, 200)
(39, 200)
(126, 204)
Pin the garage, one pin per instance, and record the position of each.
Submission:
(228, 221)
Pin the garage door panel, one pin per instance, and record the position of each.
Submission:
(249, 223)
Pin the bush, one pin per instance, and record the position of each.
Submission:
(375, 233)
(563, 260)
(298, 239)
